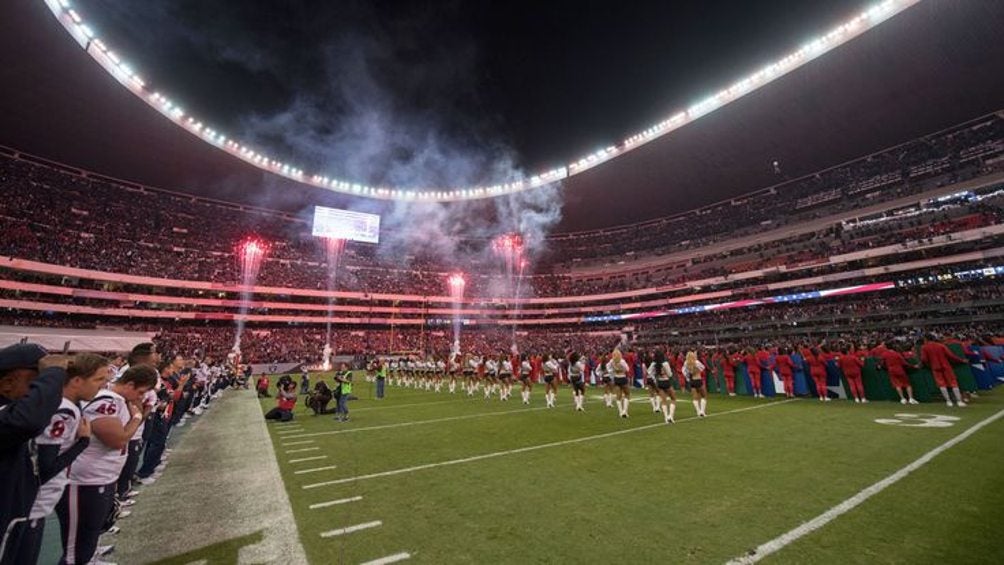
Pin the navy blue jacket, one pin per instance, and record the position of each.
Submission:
(21, 421)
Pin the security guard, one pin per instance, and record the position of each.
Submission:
(31, 389)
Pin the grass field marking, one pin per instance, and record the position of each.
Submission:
(389, 559)
(314, 470)
(778, 543)
(417, 423)
(302, 459)
(301, 450)
(391, 406)
(289, 431)
(292, 443)
(350, 529)
(335, 502)
(530, 448)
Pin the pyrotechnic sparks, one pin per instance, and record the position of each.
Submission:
(333, 248)
(509, 248)
(456, 283)
(250, 255)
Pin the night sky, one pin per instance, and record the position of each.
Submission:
(457, 93)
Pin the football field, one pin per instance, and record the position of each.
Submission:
(446, 478)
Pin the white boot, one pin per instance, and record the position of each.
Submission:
(697, 406)
(704, 407)
(672, 411)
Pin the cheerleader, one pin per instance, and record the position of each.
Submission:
(475, 371)
(454, 368)
(660, 372)
(618, 368)
(440, 373)
(491, 376)
(551, 368)
(505, 376)
(693, 371)
(576, 376)
(526, 385)
(653, 394)
(601, 376)
(467, 370)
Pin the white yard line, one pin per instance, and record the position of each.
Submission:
(335, 502)
(292, 443)
(806, 528)
(350, 529)
(417, 423)
(301, 450)
(389, 559)
(529, 448)
(314, 470)
(302, 459)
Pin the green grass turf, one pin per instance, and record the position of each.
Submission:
(699, 491)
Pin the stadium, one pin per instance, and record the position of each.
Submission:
(313, 307)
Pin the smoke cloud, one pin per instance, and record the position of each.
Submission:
(388, 98)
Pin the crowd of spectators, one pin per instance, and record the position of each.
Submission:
(50, 215)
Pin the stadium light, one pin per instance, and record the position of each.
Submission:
(74, 24)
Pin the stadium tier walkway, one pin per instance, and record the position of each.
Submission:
(220, 500)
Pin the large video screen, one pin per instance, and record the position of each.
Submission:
(345, 224)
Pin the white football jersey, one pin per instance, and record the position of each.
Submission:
(61, 431)
(99, 464)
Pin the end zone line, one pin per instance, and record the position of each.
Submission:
(417, 423)
(350, 529)
(389, 559)
(778, 543)
(530, 448)
(335, 502)
(302, 459)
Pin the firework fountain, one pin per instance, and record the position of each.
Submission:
(333, 248)
(250, 254)
(456, 283)
(509, 249)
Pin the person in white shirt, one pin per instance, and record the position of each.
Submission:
(491, 377)
(661, 373)
(551, 368)
(62, 441)
(114, 417)
(617, 367)
(693, 371)
(505, 377)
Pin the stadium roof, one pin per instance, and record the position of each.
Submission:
(930, 67)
